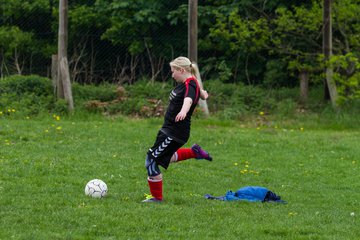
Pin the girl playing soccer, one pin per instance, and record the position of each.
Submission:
(175, 131)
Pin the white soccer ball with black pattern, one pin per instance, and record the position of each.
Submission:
(96, 188)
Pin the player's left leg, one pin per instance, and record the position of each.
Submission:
(154, 180)
(159, 155)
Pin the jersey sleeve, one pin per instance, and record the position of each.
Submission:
(192, 91)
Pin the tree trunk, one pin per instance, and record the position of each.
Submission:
(304, 85)
(54, 72)
(327, 49)
(202, 103)
(192, 30)
(192, 47)
(63, 76)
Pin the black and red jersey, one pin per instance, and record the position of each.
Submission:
(180, 130)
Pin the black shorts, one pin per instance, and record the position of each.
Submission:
(163, 149)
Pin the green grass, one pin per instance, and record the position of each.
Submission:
(46, 163)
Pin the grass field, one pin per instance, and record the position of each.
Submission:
(45, 164)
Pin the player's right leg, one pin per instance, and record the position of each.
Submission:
(187, 153)
(200, 153)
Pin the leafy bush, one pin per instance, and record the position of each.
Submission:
(250, 98)
(20, 85)
(240, 98)
(145, 99)
(287, 107)
(131, 106)
(276, 74)
(33, 95)
(26, 95)
(149, 90)
(105, 92)
(219, 94)
(346, 76)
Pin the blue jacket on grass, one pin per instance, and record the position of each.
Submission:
(249, 193)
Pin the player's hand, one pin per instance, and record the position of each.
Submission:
(204, 94)
(180, 116)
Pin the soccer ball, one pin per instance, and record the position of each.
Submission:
(96, 188)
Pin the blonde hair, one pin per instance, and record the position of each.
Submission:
(186, 64)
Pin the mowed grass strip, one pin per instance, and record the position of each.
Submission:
(45, 164)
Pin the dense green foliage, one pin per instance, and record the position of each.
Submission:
(140, 99)
(251, 42)
(30, 96)
(46, 162)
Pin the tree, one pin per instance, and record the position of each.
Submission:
(327, 48)
(193, 46)
(193, 30)
(63, 77)
(15, 48)
(25, 23)
(144, 29)
(346, 49)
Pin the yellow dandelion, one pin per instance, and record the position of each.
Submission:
(261, 113)
(236, 164)
(247, 166)
(1, 112)
(13, 110)
(258, 128)
(46, 130)
(58, 128)
(82, 205)
(57, 118)
(301, 129)
(28, 117)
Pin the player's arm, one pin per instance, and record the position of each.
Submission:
(184, 109)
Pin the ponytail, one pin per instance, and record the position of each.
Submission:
(195, 70)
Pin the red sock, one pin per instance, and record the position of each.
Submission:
(155, 188)
(185, 153)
